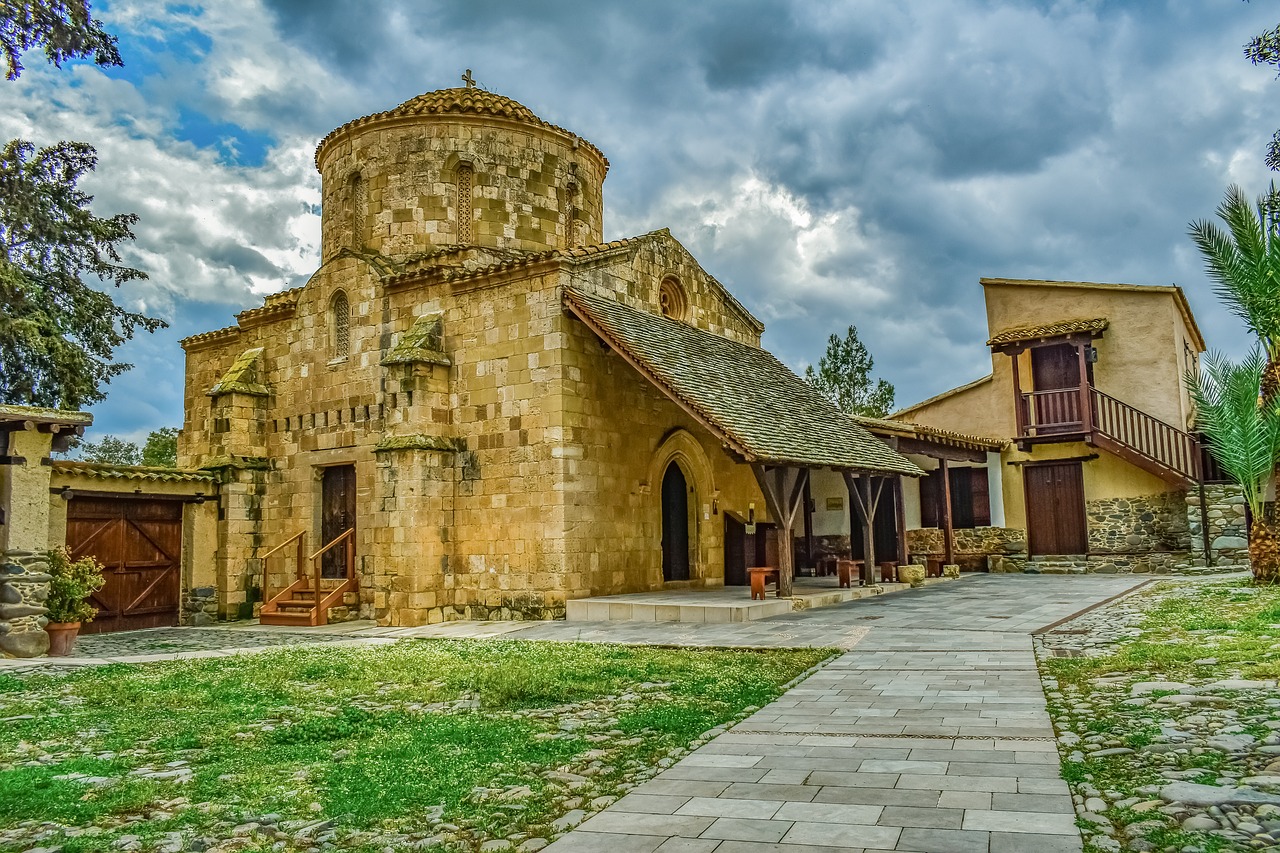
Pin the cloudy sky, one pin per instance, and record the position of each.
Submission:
(831, 161)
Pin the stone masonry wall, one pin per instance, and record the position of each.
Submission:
(24, 586)
(974, 541)
(1228, 524)
(1138, 525)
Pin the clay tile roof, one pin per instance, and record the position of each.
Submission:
(1049, 330)
(935, 435)
(741, 393)
(460, 101)
(42, 415)
(130, 472)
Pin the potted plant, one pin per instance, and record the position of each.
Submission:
(68, 602)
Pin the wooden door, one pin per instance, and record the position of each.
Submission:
(735, 552)
(139, 543)
(675, 525)
(1055, 368)
(1055, 508)
(337, 515)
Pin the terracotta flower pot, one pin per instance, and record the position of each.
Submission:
(62, 638)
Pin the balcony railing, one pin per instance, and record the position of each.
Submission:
(1126, 430)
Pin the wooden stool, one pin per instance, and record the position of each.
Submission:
(845, 570)
(933, 567)
(760, 575)
(889, 572)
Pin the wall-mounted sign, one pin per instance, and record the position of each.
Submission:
(834, 504)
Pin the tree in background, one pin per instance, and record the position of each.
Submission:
(1264, 49)
(1243, 434)
(111, 451)
(64, 28)
(160, 450)
(57, 331)
(844, 375)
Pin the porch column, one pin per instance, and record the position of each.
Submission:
(867, 498)
(900, 514)
(1020, 416)
(784, 490)
(948, 532)
(1086, 401)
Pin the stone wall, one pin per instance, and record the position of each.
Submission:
(24, 586)
(1156, 562)
(1138, 525)
(1228, 524)
(970, 541)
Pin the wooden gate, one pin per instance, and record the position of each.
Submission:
(675, 525)
(139, 543)
(1055, 508)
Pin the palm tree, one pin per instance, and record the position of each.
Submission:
(1244, 263)
(1243, 433)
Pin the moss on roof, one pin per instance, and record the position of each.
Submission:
(422, 344)
(42, 415)
(104, 471)
(755, 404)
(242, 376)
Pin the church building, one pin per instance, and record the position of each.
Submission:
(477, 408)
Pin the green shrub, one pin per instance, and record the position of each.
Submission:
(72, 584)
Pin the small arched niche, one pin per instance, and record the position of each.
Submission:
(340, 325)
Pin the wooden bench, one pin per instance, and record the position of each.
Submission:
(760, 575)
(889, 572)
(933, 567)
(846, 569)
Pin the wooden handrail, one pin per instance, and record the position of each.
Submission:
(284, 543)
(1147, 435)
(342, 537)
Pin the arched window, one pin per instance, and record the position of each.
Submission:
(671, 299)
(465, 179)
(340, 309)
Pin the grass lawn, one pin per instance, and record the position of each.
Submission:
(1191, 633)
(428, 745)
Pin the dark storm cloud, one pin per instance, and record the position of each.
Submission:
(832, 161)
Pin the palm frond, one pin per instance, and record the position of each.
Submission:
(1243, 435)
(1243, 261)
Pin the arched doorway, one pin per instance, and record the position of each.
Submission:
(675, 525)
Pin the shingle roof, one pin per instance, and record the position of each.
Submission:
(42, 415)
(1048, 330)
(742, 393)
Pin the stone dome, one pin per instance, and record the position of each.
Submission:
(458, 167)
(461, 101)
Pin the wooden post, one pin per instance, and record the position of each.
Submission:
(783, 490)
(900, 511)
(860, 492)
(1086, 404)
(302, 556)
(351, 556)
(1019, 415)
(948, 533)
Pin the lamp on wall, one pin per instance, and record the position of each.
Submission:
(1091, 355)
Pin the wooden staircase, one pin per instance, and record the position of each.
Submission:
(1138, 438)
(1145, 441)
(306, 601)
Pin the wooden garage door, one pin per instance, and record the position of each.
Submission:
(139, 542)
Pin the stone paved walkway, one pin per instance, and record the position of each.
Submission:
(930, 736)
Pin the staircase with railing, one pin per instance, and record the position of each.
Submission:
(307, 599)
(1113, 425)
